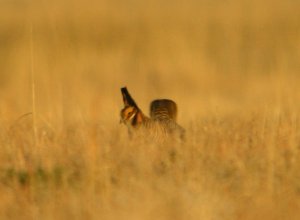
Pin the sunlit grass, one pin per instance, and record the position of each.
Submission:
(232, 67)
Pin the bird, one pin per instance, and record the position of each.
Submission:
(163, 109)
(159, 127)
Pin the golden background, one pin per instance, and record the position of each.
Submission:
(232, 67)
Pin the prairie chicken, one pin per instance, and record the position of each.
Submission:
(159, 127)
(163, 109)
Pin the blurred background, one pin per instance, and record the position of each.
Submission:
(232, 66)
(210, 56)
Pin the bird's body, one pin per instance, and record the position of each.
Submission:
(159, 127)
(163, 109)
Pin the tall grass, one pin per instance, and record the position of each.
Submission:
(232, 67)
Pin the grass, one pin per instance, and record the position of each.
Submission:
(232, 67)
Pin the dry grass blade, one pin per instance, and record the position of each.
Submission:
(231, 66)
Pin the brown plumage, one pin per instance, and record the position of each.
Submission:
(159, 127)
(162, 109)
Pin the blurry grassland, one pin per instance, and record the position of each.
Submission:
(231, 66)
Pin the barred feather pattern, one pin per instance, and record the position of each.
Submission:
(163, 109)
(160, 127)
(157, 131)
(164, 112)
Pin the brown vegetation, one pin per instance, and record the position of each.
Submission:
(232, 67)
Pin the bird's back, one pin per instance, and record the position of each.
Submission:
(164, 112)
(163, 109)
(159, 127)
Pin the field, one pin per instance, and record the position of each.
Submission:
(233, 68)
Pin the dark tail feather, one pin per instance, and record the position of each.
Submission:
(127, 99)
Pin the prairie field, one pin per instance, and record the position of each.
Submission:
(233, 68)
